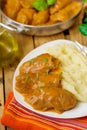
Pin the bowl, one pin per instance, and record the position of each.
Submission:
(37, 30)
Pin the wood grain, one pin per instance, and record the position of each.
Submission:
(75, 34)
(41, 40)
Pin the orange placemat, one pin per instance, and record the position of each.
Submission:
(18, 117)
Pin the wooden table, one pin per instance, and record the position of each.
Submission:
(28, 43)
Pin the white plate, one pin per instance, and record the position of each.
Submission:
(79, 111)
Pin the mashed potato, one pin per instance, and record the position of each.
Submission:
(74, 65)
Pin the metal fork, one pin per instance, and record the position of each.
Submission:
(81, 47)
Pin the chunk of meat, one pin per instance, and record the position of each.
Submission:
(26, 3)
(11, 8)
(40, 71)
(41, 63)
(64, 100)
(39, 81)
(25, 16)
(40, 17)
(66, 13)
(51, 98)
(60, 4)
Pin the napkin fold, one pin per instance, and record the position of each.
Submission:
(18, 117)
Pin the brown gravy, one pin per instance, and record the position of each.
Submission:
(39, 81)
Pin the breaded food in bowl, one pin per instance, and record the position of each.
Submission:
(23, 17)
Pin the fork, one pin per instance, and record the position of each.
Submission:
(81, 47)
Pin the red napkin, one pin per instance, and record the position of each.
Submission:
(18, 117)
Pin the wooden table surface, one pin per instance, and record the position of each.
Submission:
(28, 43)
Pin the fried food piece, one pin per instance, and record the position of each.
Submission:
(25, 15)
(11, 8)
(40, 18)
(39, 81)
(26, 3)
(66, 13)
(60, 4)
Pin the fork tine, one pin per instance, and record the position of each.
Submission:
(81, 47)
